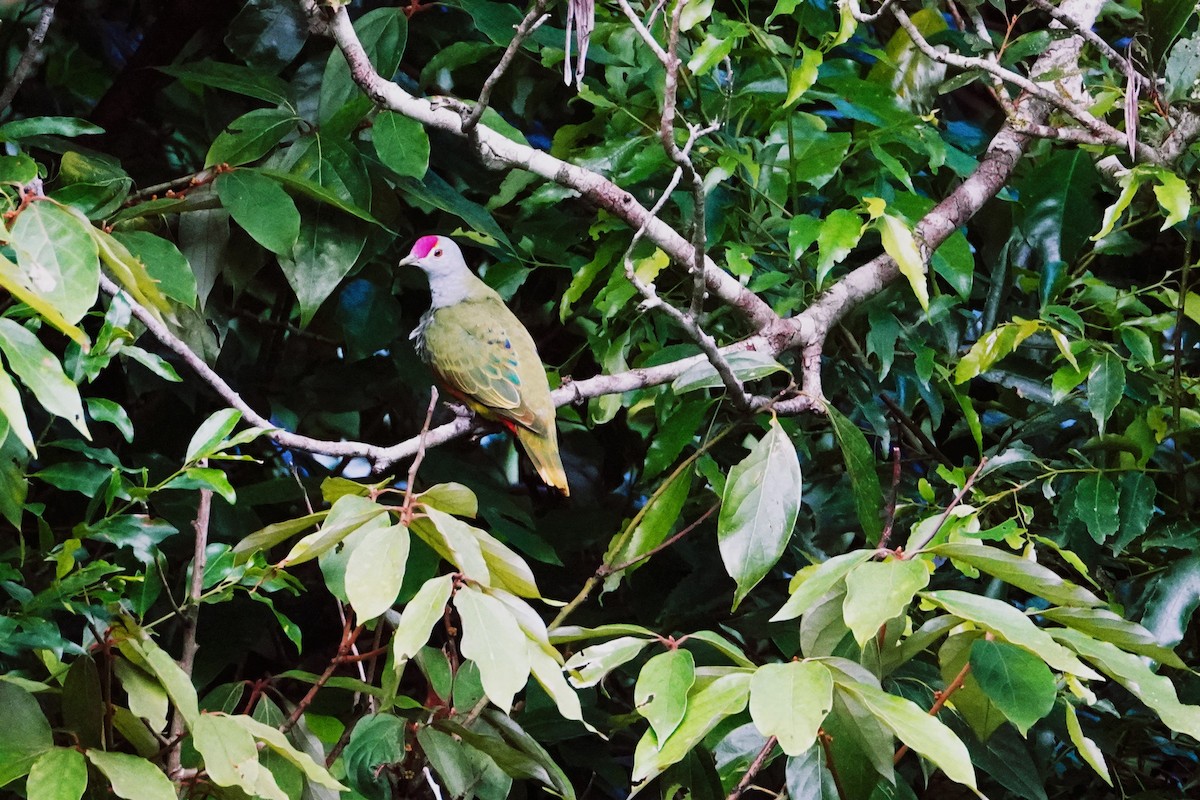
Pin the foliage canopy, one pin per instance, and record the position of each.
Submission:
(873, 333)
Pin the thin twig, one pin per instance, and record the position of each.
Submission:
(533, 19)
(191, 616)
(1091, 37)
(755, 767)
(31, 55)
(916, 547)
(1077, 112)
(939, 701)
(643, 31)
(890, 511)
(827, 746)
(623, 537)
(656, 550)
(406, 510)
(349, 636)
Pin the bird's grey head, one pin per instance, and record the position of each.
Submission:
(442, 261)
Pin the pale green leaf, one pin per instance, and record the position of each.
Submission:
(1088, 750)
(452, 539)
(1021, 572)
(1174, 196)
(815, 581)
(147, 698)
(375, 571)
(790, 701)
(279, 743)
(758, 510)
(14, 412)
(1129, 183)
(879, 591)
(1011, 625)
(899, 243)
(42, 373)
(493, 640)
(133, 778)
(660, 694)
(208, 437)
(419, 616)
(589, 666)
(1132, 672)
(58, 774)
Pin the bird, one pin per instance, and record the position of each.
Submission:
(482, 355)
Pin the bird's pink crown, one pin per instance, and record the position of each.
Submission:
(424, 245)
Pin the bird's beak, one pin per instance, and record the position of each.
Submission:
(409, 259)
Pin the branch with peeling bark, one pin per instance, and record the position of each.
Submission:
(806, 331)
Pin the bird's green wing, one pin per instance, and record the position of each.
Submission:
(477, 350)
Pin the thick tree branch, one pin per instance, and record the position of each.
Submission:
(495, 149)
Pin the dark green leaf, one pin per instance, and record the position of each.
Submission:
(262, 208)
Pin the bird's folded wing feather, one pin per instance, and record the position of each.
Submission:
(481, 364)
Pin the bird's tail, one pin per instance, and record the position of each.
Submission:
(543, 452)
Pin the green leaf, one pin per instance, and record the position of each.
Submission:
(860, 466)
(453, 540)
(402, 144)
(747, 365)
(1021, 572)
(147, 698)
(164, 263)
(1131, 671)
(1183, 69)
(212, 432)
(419, 616)
(879, 591)
(20, 286)
(280, 744)
(231, 756)
(1088, 750)
(1172, 192)
(321, 194)
(250, 137)
(899, 243)
(130, 273)
(707, 705)
(589, 666)
(58, 774)
(209, 478)
(807, 776)
(347, 515)
(147, 654)
(452, 498)
(376, 741)
(41, 372)
(375, 571)
(1096, 505)
(992, 347)
(383, 34)
(660, 694)
(758, 510)
(840, 232)
(1100, 623)
(131, 777)
(249, 81)
(657, 520)
(326, 250)
(27, 733)
(1019, 683)
(493, 640)
(1105, 386)
(1014, 627)
(20, 129)
(927, 735)
(1129, 182)
(790, 701)
(262, 208)
(267, 34)
(13, 413)
(815, 581)
(274, 534)
(57, 258)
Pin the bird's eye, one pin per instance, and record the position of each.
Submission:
(437, 253)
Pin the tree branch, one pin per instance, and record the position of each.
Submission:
(533, 19)
(191, 617)
(31, 55)
(496, 149)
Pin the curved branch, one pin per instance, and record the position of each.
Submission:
(494, 148)
(31, 55)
